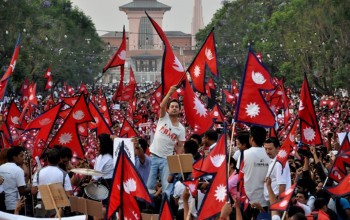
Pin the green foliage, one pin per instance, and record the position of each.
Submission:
(53, 34)
(294, 36)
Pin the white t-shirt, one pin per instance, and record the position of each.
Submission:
(51, 174)
(277, 177)
(104, 163)
(13, 178)
(166, 136)
(256, 164)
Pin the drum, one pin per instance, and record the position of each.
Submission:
(96, 191)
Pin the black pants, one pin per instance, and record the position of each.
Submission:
(2, 202)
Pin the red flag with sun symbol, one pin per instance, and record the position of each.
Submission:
(217, 114)
(206, 57)
(172, 70)
(44, 123)
(126, 187)
(13, 61)
(67, 135)
(100, 123)
(119, 57)
(283, 204)
(13, 116)
(251, 107)
(105, 111)
(287, 146)
(309, 128)
(127, 130)
(216, 164)
(197, 115)
(342, 189)
(192, 186)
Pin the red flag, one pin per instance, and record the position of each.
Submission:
(211, 163)
(100, 124)
(172, 71)
(13, 117)
(24, 91)
(128, 92)
(196, 114)
(210, 85)
(127, 185)
(165, 211)
(119, 90)
(251, 107)
(105, 111)
(205, 57)
(32, 94)
(6, 134)
(71, 101)
(49, 83)
(67, 135)
(338, 171)
(83, 129)
(13, 62)
(83, 89)
(217, 114)
(230, 99)
(49, 103)
(192, 186)
(48, 73)
(234, 89)
(44, 123)
(342, 189)
(216, 164)
(132, 77)
(309, 128)
(119, 57)
(287, 146)
(282, 205)
(127, 130)
(3, 86)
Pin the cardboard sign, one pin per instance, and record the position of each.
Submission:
(54, 197)
(180, 163)
(86, 206)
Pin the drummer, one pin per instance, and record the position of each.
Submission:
(104, 161)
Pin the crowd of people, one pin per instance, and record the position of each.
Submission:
(252, 152)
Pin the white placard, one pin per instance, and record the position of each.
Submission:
(128, 146)
(341, 137)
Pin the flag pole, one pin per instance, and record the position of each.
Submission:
(230, 151)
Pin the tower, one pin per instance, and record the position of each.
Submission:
(141, 35)
(197, 20)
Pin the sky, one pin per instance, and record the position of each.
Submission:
(107, 17)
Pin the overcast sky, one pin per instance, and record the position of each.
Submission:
(106, 15)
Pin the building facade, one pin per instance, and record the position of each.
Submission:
(144, 47)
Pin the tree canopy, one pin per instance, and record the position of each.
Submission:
(53, 34)
(294, 37)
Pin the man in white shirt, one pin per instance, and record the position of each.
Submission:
(169, 137)
(255, 166)
(48, 175)
(280, 179)
(14, 182)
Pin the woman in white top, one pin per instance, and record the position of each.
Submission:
(104, 161)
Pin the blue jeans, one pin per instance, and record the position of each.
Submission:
(159, 164)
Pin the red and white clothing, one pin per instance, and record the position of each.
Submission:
(166, 137)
